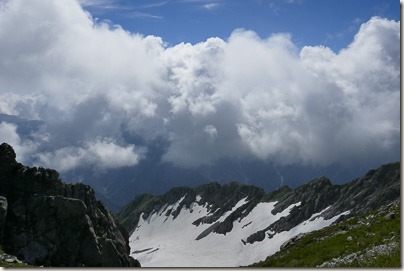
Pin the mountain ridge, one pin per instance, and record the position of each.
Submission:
(227, 208)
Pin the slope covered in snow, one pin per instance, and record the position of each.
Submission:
(232, 225)
(161, 240)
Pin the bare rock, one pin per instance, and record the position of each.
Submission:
(3, 215)
(390, 216)
(50, 223)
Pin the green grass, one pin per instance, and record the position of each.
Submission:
(12, 265)
(321, 246)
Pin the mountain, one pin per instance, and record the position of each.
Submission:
(229, 225)
(117, 187)
(369, 240)
(44, 221)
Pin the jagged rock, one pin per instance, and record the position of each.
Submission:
(51, 223)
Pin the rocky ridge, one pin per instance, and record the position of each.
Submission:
(378, 187)
(388, 245)
(46, 222)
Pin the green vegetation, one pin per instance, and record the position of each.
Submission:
(353, 242)
(3, 263)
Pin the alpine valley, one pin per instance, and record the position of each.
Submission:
(231, 225)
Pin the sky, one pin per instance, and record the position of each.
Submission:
(189, 83)
(330, 23)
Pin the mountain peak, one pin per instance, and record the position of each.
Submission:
(319, 183)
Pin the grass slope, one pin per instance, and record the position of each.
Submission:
(370, 240)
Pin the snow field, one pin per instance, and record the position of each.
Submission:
(171, 242)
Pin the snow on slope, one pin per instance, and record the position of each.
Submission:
(161, 241)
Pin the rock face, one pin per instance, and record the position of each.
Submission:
(3, 214)
(51, 223)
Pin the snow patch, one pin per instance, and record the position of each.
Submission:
(173, 243)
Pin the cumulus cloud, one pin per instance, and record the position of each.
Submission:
(247, 96)
(103, 154)
(23, 148)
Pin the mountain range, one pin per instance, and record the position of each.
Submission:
(46, 222)
(230, 225)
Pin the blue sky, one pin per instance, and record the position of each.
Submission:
(310, 22)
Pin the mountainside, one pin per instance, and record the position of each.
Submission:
(369, 240)
(233, 225)
(44, 221)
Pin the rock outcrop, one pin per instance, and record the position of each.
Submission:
(52, 223)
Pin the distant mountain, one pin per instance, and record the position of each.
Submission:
(217, 225)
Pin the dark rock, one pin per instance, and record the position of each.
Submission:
(3, 214)
(51, 223)
(207, 231)
(390, 216)
(256, 237)
(292, 241)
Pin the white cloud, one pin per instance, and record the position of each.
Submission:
(103, 154)
(246, 96)
(210, 6)
(8, 133)
(138, 14)
(97, 3)
(22, 148)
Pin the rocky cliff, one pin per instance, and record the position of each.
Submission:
(44, 221)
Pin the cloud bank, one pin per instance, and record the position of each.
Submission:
(247, 96)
